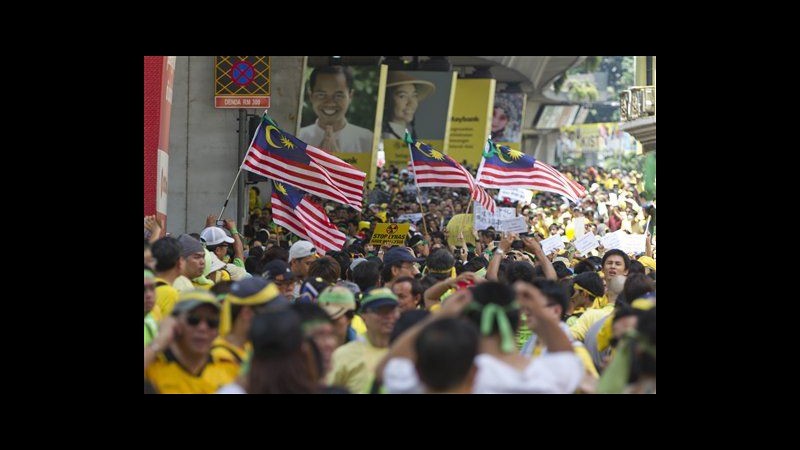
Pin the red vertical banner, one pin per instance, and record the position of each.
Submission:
(158, 76)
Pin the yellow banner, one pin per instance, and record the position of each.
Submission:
(397, 152)
(390, 233)
(471, 121)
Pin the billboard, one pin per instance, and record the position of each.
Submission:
(471, 120)
(420, 102)
(341, 112)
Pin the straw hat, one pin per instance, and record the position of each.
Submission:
(424, 87)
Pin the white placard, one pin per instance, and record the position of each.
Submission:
(515, 225)
(484, 219)
(612, 240)
(414, 218)
(632, 243)
(515, 195)
(552, 244)
(586, 243)
(580, 227)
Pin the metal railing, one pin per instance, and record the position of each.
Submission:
(637, 102)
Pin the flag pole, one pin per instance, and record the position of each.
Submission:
(224, 205)
(230, 192)
(419, 192)
(461, 231)
(487, 148)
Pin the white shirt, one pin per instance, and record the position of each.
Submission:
(551, 373)
(231, 388)
(351, 138)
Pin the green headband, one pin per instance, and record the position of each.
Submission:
(492, 312)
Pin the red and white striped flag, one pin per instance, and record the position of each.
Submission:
(293, 210)
(433, 168)
(277, 154)
(502, 167)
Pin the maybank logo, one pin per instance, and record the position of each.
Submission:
(464, 119)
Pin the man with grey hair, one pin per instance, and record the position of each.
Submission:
(193, 258)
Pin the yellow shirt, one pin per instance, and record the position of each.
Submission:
(169, 377)
(359, 325)
(599, 302)
(588, 319)
(166, 296)
(222, 350)
(354, 366)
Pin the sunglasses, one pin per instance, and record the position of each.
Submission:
(195, 321)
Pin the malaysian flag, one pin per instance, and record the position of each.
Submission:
(433, 168)
(502, 167)
(277, 154)
(299, 214)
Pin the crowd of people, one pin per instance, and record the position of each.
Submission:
(453, 310)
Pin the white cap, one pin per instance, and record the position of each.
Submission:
(215, 236)
(216, 263)
(301, 249)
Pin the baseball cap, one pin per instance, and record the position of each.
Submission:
(216, 263)
(378, 297)
(189, 245)
(215, 236)
(336, 301)
(301, 249)
(189, 300)
(399, 254)
(648, 262)
(356, 262)
(253, 291)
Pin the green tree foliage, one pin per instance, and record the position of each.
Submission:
(620, 77)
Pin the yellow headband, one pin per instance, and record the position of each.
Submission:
(263, 296)
(268, 293)
(451, 271)
(578, 287)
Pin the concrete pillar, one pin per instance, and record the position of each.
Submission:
(204, 140)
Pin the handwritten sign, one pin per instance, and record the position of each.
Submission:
(580, 227)
(612, 240)
(515, 195)
(586, 243)
(414, 218)
(632, 243)
(551, 244)
(515, 225)
(390, 234)
(484, 219)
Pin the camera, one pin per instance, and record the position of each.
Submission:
(220, 223)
